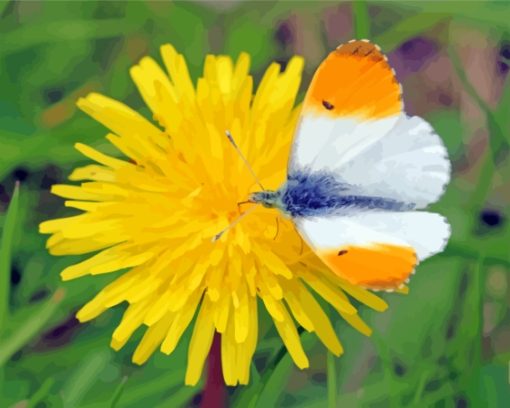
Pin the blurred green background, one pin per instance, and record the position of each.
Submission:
(446, 344)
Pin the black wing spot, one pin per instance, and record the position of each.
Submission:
(342, 252)
(327, 105)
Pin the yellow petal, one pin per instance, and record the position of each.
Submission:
(246, 350)
(364, 296)
(121, 119)
(222, 312)
(287, 331)
(178, 71)
(151, 340)
(180, 323)
(272, 262)
(99, 157)
(92, 172)
(106, 261)
(148, 75)
(315, 314)
(131, 320)
(229, 361)
(242, 316)
(328, 292)
(200, 344)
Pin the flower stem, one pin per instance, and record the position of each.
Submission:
(332, 388)
(214, 394)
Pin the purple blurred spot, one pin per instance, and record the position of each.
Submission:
(445, 99)
(283, 34)
(53, 95)
(15, 274)
(504, 52)
(4, 197)
(61, 334)
(502, 68)
(412, 55)
(491, 218)
(51, 175)
(20, 173)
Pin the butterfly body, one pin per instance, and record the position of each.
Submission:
(360, 171)
(308, 194)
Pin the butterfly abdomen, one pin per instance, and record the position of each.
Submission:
(320, 193)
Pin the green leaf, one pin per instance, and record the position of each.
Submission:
(8, 230)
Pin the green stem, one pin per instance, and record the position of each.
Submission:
(479, 294)
(332, 380)
(361, 19)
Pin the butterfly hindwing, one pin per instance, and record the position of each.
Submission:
(375, 249)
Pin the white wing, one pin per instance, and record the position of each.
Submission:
(377, 250)
(398, 157)
(426, 232)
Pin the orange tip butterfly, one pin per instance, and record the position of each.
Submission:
(360, 172)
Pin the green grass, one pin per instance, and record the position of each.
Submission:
(441, 345)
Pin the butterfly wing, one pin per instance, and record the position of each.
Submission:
(375, 249)
(353, 85)
(354, 134)
(353, 127)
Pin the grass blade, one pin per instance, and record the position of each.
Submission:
(5, 256)
(118, 392)
(181, 397)
(84, 378)
(30, 328)
(499, 141)
(274, 380)
(41, 393)
(68, 30)
(408, 28)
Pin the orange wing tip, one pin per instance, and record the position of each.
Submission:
(355, 80)
(378, 267)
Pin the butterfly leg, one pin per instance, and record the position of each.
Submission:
(277, 227)
(240, 203)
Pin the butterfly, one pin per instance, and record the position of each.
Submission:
(361, 171)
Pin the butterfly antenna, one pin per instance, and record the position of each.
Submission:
(233, 223)
(231, 139)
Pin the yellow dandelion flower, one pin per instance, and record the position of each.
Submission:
(155, 213)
